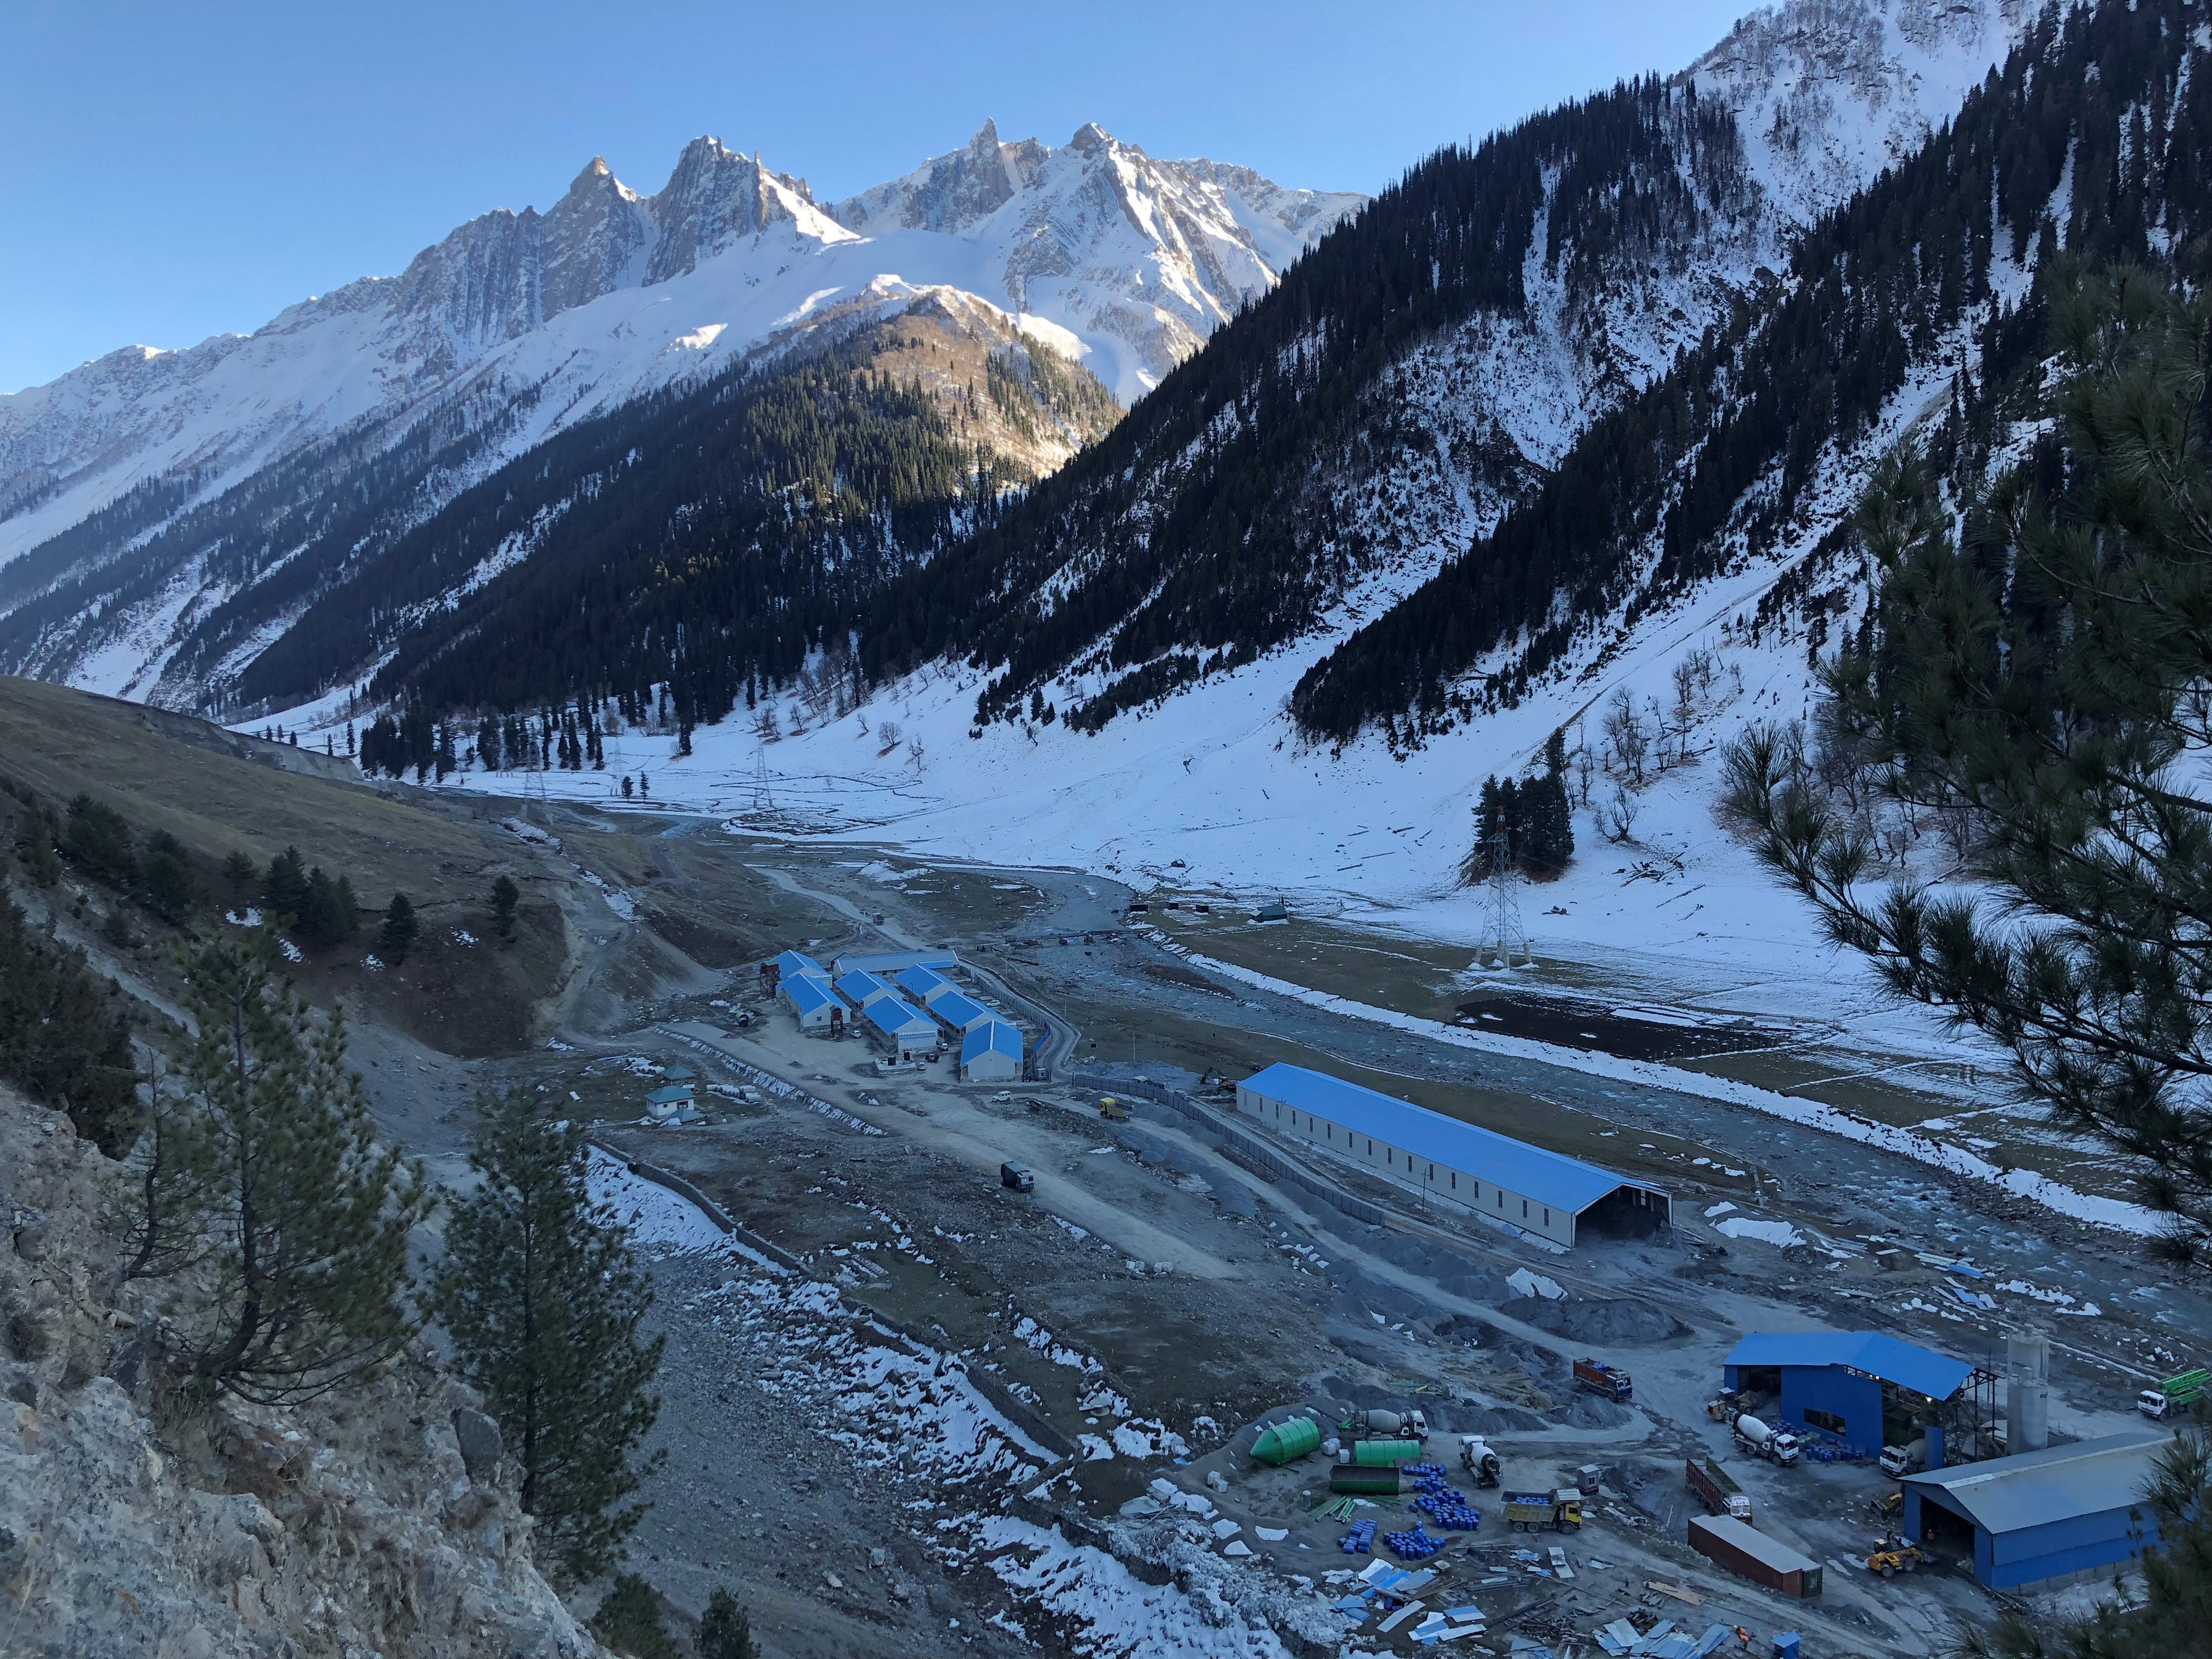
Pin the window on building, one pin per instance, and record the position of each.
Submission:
(1816, 1417)
(1501, 1198)
(1547, 1215)
(1524, 1209)
(1432, 1172)
(1455, 1180)
(1370, 1149)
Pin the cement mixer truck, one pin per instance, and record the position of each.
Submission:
(1764, 1440)
(1390, 1425)
(1477, 1460)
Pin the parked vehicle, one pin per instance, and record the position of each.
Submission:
(1017, 1176)
(1542, 1511)
(1113, 1109)
(1764, 1440)
(1893, 1555)
(1717, 1491)
(1609, 1380)
(2184, 1390)
(1477, 1460)
(1908, 1459)
(1396, 1425)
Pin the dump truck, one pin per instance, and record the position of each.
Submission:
(1112, 1108)
(1609, 1380)
(1477, 1460)
(1017, 1177)
(1764, 1440)
(2184, 1390)
(1717, 1491)
(1540, 1512)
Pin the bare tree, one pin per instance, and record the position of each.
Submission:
(1625, 736)
(1617, 819)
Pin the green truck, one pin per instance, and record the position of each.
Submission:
(2184, 1390)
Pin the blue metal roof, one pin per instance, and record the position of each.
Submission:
(1936, 1374)
(797, 962)
(890, 962)
(1564, 1183)
(924, 982)
(896, 1018)
(2059, 1483)
(983, 1039)
(858, 987)
(675, 1091)
(807, 993)
(961, 1011)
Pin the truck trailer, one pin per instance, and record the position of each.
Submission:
(1717, 1491)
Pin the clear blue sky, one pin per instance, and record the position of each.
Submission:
(179, 170)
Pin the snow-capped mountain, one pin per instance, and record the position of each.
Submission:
(524, 323)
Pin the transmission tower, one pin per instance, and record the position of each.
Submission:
(1505, 937)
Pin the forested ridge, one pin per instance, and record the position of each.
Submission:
(1718, 457)
(1203, 529)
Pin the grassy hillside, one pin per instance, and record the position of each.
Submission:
(217, 791)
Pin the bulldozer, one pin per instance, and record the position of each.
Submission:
(1893, 1555)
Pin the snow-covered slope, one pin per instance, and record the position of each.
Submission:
(530, 321)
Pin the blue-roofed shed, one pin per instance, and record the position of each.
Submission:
(790, 962)
(961, 1011)
(860, 988)
(924, 985)
(2042, 1514)
(676, 1094)
(899, 1027)
(810, 999)
(892, 962)
(991, 1052)
(1503, 1179)
(1861, 1387)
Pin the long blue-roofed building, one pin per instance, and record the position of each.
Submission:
(811, 1001)
(1546, 1194)
(898, 1027)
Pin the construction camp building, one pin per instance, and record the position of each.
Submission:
(1505, 1181)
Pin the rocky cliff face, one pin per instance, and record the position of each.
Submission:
(132, 1526)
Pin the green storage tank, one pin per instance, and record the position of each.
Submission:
(1292, 1439)
(1366, 1481)
(1374, 1453)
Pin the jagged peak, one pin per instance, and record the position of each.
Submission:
(1090, 138)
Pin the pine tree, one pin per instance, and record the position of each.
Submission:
(725, 1630)
(2044, 685)
(505, 897)
(307, 1216)
(628, 1620)
(63, 1038)
(1548, 838)
(171, 884)
(401, 930)
(284, 891)
(239, 878)
(543, 1303)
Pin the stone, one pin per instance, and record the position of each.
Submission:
(481, 1446)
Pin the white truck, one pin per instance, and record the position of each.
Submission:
(1764, 1440)
(1908, 1459)
(1394, 1425)
(1477, 1460)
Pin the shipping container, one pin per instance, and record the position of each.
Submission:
(1753, 1555)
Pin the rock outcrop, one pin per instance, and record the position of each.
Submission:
(132, 1523)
